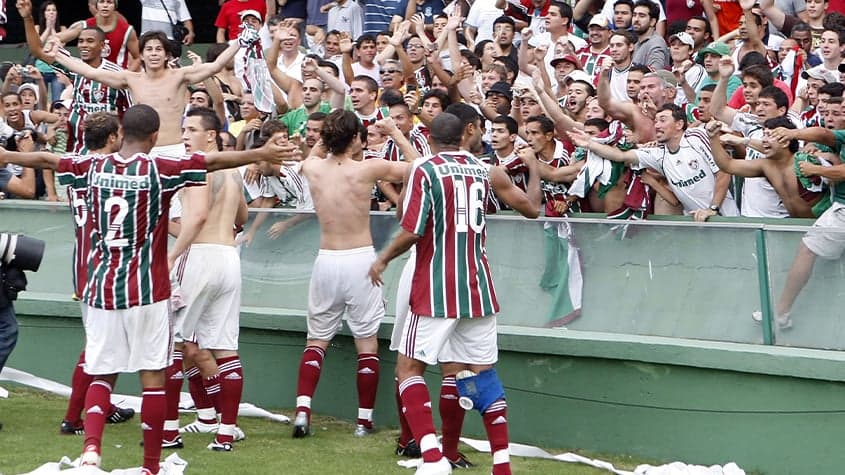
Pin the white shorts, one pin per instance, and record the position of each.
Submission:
(403, 300)
(450, 340)
(209, 278)
(826, 238)
(339, 284)
(172, 150)
(126, 341)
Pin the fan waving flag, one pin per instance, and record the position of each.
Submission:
(251, 69)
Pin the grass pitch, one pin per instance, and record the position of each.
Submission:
(30, 437)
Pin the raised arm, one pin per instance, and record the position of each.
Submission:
(346, 47)
(710, 12)
(609, 152)
(745, 168)
(71, 33)
(388, 127)
(623, 111)
(337, 87)
(115, 79)
(526, 203)
(755, 40)
(33, 41)
(563, 123)
(719, 104)
(776, 16)
(200, 72)
(29, 159)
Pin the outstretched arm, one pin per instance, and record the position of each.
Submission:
(200, 72)
(30, 159)
(581, 139)
(811, 134)
(271, 152)
(745, 168)
(115, 79)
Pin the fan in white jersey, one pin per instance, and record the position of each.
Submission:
(683, 157)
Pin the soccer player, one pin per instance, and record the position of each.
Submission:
(683, 156)
(88, 96)
(127, 324)
(159, 86)
(209, 277)
(341, 186)
(101, 138)
(452, 302)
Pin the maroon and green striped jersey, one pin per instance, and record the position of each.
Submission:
(91, 96)
(128, 201)
(83, 234)
(445, 206)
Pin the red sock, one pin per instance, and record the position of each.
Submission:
(153, 408)
(309, 375)
(417, 404)
(79, 383)
(405, 434)
(173, 387)
(368, 366)
(212, 389)
(496, 424)
(96, 406)
(202, 402)
(451, 417)
(231, 388)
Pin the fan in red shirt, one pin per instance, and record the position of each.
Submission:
(229, 18)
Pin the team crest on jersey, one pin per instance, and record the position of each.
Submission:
(106, 49)
(97, 94)
(693, 164)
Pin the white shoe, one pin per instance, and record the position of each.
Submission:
(89, 458)
(441, 467)
(239, 435)
(199, 427)
(784, 321)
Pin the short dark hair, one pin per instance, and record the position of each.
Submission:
(835, 89)
(372, 85)
(630, 36)
(339, 128)
(546, 124)
(591, 90)
(441, 95)
(509, 122)
(801, 26)
(365, 38)
(96, 29)
(653, 9)
(640, 68)
(471, 58)
(208, 118)
(318, 116)
(678, 113)
(140, 122)
(565, 9)
(707, 28)
(330, 65)
(479, 47)
(390, 97)
(601, 124)
(630, 3)
(751, 58)
(446, 129)
(159, 36)
(97, 127)
(760, 72)
(465, 112)
(774, 93)
(506, 20)
(840, 33)
(782, 121)
(271, 127)
(509, 64)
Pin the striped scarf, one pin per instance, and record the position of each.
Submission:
(253, 73)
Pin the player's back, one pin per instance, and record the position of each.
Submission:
(448, 211)
(226, 190)
(341, 195)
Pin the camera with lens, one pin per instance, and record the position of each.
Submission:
(18, 253)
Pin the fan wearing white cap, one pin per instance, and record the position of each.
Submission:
(688, 73)
(598, 51)
(230, 19)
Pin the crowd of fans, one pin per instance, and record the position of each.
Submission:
(645, 76)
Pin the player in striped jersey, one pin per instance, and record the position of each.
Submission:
(121, 41)
(452, 300)
(101, 138)
(88, 96)
(157, 85)
(340, 187)
(401, 115)
(126, 324)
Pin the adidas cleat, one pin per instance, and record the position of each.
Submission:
(120, 414)
(67, 428)
(199, 427)
(301, 426)
(172, 444)
(461, 462)
(362, 431)
(410, 450)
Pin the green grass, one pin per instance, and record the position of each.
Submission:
(30, 438)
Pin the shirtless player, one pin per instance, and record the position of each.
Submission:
(209, 276)
(157, 86)
(341, 187)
